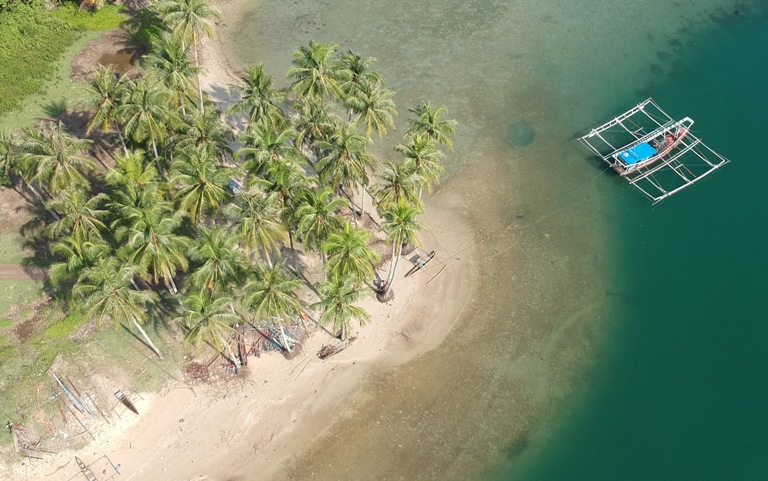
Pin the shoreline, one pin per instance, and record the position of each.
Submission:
(276, 407)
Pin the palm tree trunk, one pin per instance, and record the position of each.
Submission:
(181, 102)
(40, 198)
(158, 161)
(268, 257)
(352, 204)
(146, 337)
(285, 339)
(122, 140)
(307, 316)
(232, 357)
(171, 286)
(293, 251)
(197, 64)
(362, 203)
(397, 247)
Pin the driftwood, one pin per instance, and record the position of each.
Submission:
(332, 349)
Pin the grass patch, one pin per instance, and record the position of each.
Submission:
(59, 91)
(11, 250)
(33, 40)
(108, 17)
(14, 291)
(66, 326)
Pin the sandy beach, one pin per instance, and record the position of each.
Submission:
(275, 408)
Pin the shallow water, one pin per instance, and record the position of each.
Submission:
(549, 317)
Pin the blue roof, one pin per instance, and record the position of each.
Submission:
(638, 153)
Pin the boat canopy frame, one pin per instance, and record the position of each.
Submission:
(660, 176)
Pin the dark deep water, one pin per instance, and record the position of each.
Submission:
(683, 392)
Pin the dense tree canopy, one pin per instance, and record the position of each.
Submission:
(190, 215)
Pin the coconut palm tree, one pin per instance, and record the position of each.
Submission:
(132, 185)
(401, 227)
(209, 317)
(76, 254)
(398, 184)
(258, 97)
(79, 214)
(345, 162)
(315, 122)
(106, 293)
(13, 165)
(339, 295)
(206, 130)
(188, 19)
(349, 255)
(257, 218)
(146, 114)
(202, 184)
(373, 106)
(356, 73)
(271, 294)
(176, 72)
(428, 121)
(264, 146)
(315, 71)
(420, 149)
(318, 217)
(50, 157)
(107, 89)
(219, 264)
(289, 182)
(10, 151)
(149, 240)
(131, 170)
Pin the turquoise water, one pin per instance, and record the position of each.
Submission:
(606, 338)
(684, 391)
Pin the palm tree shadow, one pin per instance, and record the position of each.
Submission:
(161, 313)
(36, 242)
(56, 108)
(130, 332)
(222, 94)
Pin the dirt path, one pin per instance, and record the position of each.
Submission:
(17, 272)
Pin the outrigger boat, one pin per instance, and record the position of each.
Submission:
(656, 154)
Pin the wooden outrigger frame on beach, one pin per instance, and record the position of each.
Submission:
(664, 157)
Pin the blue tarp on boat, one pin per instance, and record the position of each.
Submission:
(638, 153)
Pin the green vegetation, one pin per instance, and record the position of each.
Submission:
(185, 238)
(57, 94)
(13, 292)
(32, 41)
(11, 248)
(71, 322)
(107, 17)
